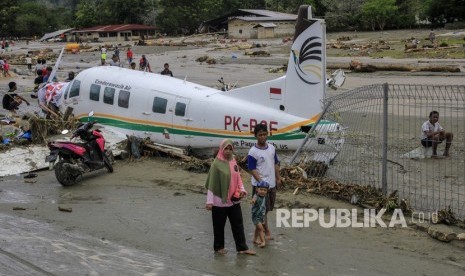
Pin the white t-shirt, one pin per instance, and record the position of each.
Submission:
(428, 126)
(265, 160)
(28, 60)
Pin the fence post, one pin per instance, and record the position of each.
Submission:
(310, 132)
(385, 138)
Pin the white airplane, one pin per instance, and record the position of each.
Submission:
(180, 113)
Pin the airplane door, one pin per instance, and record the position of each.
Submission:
(156, 110)
(181, 121)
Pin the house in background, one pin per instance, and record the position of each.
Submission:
(248, 23)
(122, 32)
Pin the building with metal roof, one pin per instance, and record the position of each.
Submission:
(249, 23)
(121, 32)
(56, 36)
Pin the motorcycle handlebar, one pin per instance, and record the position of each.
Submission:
(83, 130)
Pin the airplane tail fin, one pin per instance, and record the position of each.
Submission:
(303, 87)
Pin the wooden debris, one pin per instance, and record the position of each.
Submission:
(446, 216)
(441, 235)
(296, 191)
(65, 209)
(366, 195)
(260, 53)
(358, 66)
(206, 59)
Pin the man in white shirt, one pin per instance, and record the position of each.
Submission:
(263, 163)
(433, 134)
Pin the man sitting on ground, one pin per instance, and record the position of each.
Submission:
(11, 100)
(433, 134)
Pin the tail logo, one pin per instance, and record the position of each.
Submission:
(307, 62)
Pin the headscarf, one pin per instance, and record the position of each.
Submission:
(219, 176)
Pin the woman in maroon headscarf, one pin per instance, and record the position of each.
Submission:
(225, 190)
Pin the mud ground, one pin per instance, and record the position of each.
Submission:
(148, 217)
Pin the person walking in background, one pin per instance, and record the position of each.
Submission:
(6, 69)
(432, 37)
(117, 53)
(167, 70)
(38, 67)
(144, 64)
(224, 192)
(103, 55)
(263, 163)
(29, 63)
(114, 61)
(129, 55)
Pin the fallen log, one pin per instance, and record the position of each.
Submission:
(358, 66)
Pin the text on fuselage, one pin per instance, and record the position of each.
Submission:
(238, 124)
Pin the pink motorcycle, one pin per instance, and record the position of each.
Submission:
(76, 159)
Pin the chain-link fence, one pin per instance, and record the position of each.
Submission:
(381, 130)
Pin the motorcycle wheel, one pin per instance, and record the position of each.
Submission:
(107, 163)
(65, 177)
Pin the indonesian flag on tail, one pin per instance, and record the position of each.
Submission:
(275, 93)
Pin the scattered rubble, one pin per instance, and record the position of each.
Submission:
(206, 59)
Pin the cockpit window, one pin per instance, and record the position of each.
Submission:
(68, 87)
(75, 86)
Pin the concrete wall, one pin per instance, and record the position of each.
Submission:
(244, 29)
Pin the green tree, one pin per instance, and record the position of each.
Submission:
(88, 13)
(343, 15)
(186, 15)
(124, 11)
(408, 13)
(8, 12)
(445, 11)
(378, 12)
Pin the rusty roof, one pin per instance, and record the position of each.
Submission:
(116, 28)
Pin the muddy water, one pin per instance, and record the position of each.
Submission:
(148, 218)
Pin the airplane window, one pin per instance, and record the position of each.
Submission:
(108, 95)
(94, 92)
(74, 92)
(180, 109)
(123, 98)
(159, 105)
(67, 91)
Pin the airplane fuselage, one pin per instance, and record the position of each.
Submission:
(176, 112)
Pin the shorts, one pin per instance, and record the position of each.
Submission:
(269, 199)
(428, 143)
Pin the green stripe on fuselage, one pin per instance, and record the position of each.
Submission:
(295, 134)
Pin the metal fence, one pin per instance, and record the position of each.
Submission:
(381, 128)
